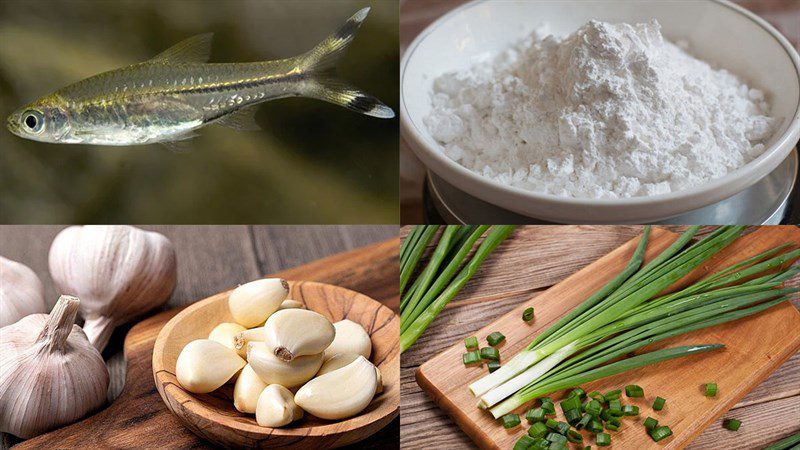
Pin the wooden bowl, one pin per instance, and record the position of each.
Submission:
(213, 417)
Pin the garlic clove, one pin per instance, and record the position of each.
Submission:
(204, 365)
(341, 393)
(252, 303)
(247, 389)
(225, 333)
(343, 359)
(21, 292)
(276, 407)
(242, 338)
(290, 304)
(274, 370)
(350, 338)
(297, 332)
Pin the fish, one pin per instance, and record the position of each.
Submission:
(167, 98)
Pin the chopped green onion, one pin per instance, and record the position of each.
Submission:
(570, 403)
(527, 315)
(493, 365)
(588, 447)
(495, 338)
(583, 422)
(535, 415)
(602, 439)
(490, 353)
(578, 392)
(615, 408)
(557, 437)
(660, 433)
(510, 420)
(711, 389)
(471, 358)
(594, 408)
(658, 404)
(633, 390)
(551, 423)
(548, 406)
(614, 424)
(597, 396)
(471, 343)
(574, 437)
(650, 424)
(613, 395)
(538, 429)
(606, 415)
(630, 410)
(595, 426)
(573, 416)
(524, 443)
(732, 424)
(562, 428)
(540, 444)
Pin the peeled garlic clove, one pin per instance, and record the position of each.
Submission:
(337, 362)
(119, 273)
(297, 332)
(350, 338)
(276, 407)
(204, 365)
(247, 389)
(242, 338)
(225, 333)
(273, 370)
(252, 303)
(50, 375)
(21, 292)
(342, 393)
(290, 304)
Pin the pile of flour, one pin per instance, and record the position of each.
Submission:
(612, 110)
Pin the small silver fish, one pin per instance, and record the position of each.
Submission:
(165, 98)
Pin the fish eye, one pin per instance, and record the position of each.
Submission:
(33, 120)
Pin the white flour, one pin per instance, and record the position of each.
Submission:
(609, 111)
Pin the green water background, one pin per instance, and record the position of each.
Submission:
(312, 163)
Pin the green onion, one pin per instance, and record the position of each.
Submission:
(495, 338)
(615, 408)
(584, 421)
(551, 423)
(602, 439)
(535, 415)
(613, 395)
(595, 426)
(471, 358)
(658, 404)
(540, 444)
(650, 424)
(630, 410)
(732, 424)
(574, 437)
(570, 403)
(548, 406)
(597, 396)
(573, 416)
(633, 390)
(538, 429)
(527, 315)
(490, 353)
(414, 254)
(557, 438)
(785, 443)
(613, 424)
(562, 428)
(660, 433)
(578, 392)
(510, 420)
(711, 389)
(594, 408)
(493, 365)
(471, 343)
(524, 443)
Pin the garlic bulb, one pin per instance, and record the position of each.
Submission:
(50, 375)
(273, 370)
(342, 393)
(290, 304)
(343, 359)
(297, 332)
(252, 303)
(225, 333)
(276, 407)
(119, 273)
(21, 292)
(204, 365)
(350, 338)
(247, 389)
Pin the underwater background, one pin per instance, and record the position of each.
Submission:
(313, 162)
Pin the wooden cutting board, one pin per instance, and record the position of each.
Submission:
(755, 347)
(139, 418)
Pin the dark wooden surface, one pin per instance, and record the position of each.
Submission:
(769, 412)
(212, 259)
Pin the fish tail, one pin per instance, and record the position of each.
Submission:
(319, 64)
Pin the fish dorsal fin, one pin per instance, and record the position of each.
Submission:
(241, 120)
(196, 49)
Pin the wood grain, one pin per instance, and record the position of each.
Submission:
(424, 426)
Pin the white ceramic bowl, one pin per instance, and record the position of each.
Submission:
(717, 31)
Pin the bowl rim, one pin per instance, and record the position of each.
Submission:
(706, 193)
(198, 409)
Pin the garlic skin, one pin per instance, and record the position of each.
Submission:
(204, 365)
(21, 292)
(343, 359)
(50, 375)
(247, 389)
(273, 370)
(252, 303)
(297, 332)
(119, 272)
(225, 334)
(276, 407)
(290, 304)
(341, 393)
(350, 338)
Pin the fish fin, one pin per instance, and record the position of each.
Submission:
(241, 120)
(180, 143)
(196, 49)
(342, 94)
(327, 53)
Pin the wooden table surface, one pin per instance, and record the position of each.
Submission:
(211, 259)
(768, 413)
